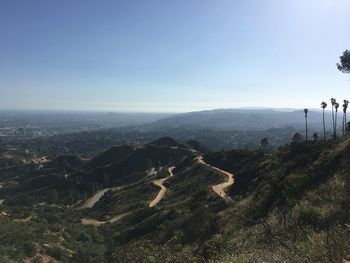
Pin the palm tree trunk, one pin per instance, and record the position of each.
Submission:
(324, 128)
(333, 123)
(343, 123)
(306, 127)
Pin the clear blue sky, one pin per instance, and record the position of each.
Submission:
(176, 56)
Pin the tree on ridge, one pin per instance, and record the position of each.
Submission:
(297, 138)
(344, 65)
(323, 106)
(306, 111)
(336, 106)
(264, 143)
(333, 101)
(345, 107)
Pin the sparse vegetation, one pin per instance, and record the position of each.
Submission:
(290, 205)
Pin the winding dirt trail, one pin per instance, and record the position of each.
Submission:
(23, 220)
(95, 198)
(163, 189)
(94, 222)
(89, 203)
(219, 189)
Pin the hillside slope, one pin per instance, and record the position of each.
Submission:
(292, 205)
(289, 205)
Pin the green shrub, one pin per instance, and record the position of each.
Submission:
(52, 218)
(29, 249)
(55, 228)
(253, 211)
(89, 253)
(307, 216)
(275, 177)
(294, 186)
(37, 259)
(211, 249)
(56, 252)
(83, 237)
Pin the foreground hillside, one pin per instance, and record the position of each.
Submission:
(170, 201)
(295, 208)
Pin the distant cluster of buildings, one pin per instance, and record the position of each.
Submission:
(10, 135)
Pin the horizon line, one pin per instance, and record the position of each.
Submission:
(247, 108)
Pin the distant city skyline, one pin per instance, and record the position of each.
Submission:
(171, 56)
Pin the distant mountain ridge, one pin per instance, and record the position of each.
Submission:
(241, 119)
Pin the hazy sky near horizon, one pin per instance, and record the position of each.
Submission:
(171, 56)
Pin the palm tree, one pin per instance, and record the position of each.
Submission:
(333, 101)
(336, 106)
(306, 111)
(323, 106)
(345, 107)
(347, 104)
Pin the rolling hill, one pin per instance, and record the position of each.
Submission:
(288, 205)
